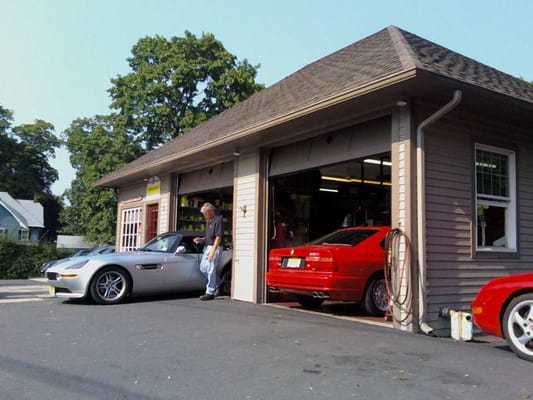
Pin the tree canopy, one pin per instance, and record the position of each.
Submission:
(98, 145)
(25, 151)
(176, 83)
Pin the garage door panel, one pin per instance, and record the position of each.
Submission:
(362, 140)
(215, 177)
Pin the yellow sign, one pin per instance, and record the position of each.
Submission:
(153, 187)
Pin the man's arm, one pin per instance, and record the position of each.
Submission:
(218, 239)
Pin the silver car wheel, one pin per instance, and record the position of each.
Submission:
(380, 295)
(519, 327)
(110, 286)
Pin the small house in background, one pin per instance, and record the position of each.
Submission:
(20, 220)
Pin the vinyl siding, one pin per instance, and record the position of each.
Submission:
(454, 272)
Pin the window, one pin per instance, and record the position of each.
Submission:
(495, 199)
(24, 235)
(3, 233)
(130, 234)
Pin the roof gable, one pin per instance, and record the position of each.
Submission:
(389, 52)
(26, 212)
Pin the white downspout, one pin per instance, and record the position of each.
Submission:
(421, 207)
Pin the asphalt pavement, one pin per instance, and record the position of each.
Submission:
(182, 348)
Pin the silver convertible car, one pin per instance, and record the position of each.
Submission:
(168, 263)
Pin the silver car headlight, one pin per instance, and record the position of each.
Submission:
(78, 265)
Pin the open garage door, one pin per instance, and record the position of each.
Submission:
(318, 186)
(205, 179)
(312, 203)
(372, 137)
(213, 184)
(334, 180)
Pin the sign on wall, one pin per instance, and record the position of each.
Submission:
(153, 187)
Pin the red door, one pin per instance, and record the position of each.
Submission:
(151, 223)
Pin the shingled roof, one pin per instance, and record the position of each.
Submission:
(385, 54)
(27, 212)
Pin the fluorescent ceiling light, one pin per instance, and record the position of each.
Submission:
(354, 180)
(377, 162)
(329, 190)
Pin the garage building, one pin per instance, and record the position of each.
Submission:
(393, 129)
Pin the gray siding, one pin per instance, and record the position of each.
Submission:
(454, 272)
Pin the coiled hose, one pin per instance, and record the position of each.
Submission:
(398, 260)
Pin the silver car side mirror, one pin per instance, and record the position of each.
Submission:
(181, 250)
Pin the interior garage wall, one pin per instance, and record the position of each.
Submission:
(455, 273)
(372, 137)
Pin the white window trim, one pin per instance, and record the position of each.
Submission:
(129, 218)
(3, 233)
(26, 236)
(509, 203)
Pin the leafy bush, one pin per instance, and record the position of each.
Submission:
(19, 261)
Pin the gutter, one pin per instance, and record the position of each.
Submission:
(306, 110)
(421, 206)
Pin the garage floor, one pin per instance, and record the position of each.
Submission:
(334, 309)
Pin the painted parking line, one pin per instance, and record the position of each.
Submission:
(23, 293)
(20, 300)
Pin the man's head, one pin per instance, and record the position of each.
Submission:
(208, 210)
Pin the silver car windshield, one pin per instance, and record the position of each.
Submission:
(165, 243)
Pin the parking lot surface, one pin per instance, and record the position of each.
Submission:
(182, 348)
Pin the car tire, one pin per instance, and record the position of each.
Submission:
(309, 302)
(517, 326)
(376, 299)
(110, 285)
(226, 280)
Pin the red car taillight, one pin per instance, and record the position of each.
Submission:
(274, 261)
(321, 261)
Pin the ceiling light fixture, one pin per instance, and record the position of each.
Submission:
(377, 162)
(355, 180)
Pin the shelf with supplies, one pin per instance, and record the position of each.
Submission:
(190, 218)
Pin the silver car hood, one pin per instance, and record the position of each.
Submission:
(107, 258)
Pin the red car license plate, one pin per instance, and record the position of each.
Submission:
(293, 262)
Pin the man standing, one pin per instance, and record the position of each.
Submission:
(213, 244)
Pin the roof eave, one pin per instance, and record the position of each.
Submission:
(111, 181)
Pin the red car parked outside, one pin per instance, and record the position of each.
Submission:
(504, 308)
(344, 265)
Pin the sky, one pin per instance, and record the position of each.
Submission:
(57, 56)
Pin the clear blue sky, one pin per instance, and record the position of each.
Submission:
(57, 56)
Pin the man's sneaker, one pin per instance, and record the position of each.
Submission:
(207, 296)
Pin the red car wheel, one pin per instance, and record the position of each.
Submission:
(376, 298)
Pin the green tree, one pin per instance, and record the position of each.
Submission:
(98, 146)
(176, 84)
(25, 151)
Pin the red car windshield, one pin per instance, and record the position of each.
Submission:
(350, 237)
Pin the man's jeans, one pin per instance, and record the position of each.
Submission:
(209, 269)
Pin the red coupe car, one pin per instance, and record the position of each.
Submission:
(344, 265)
(504, 308)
